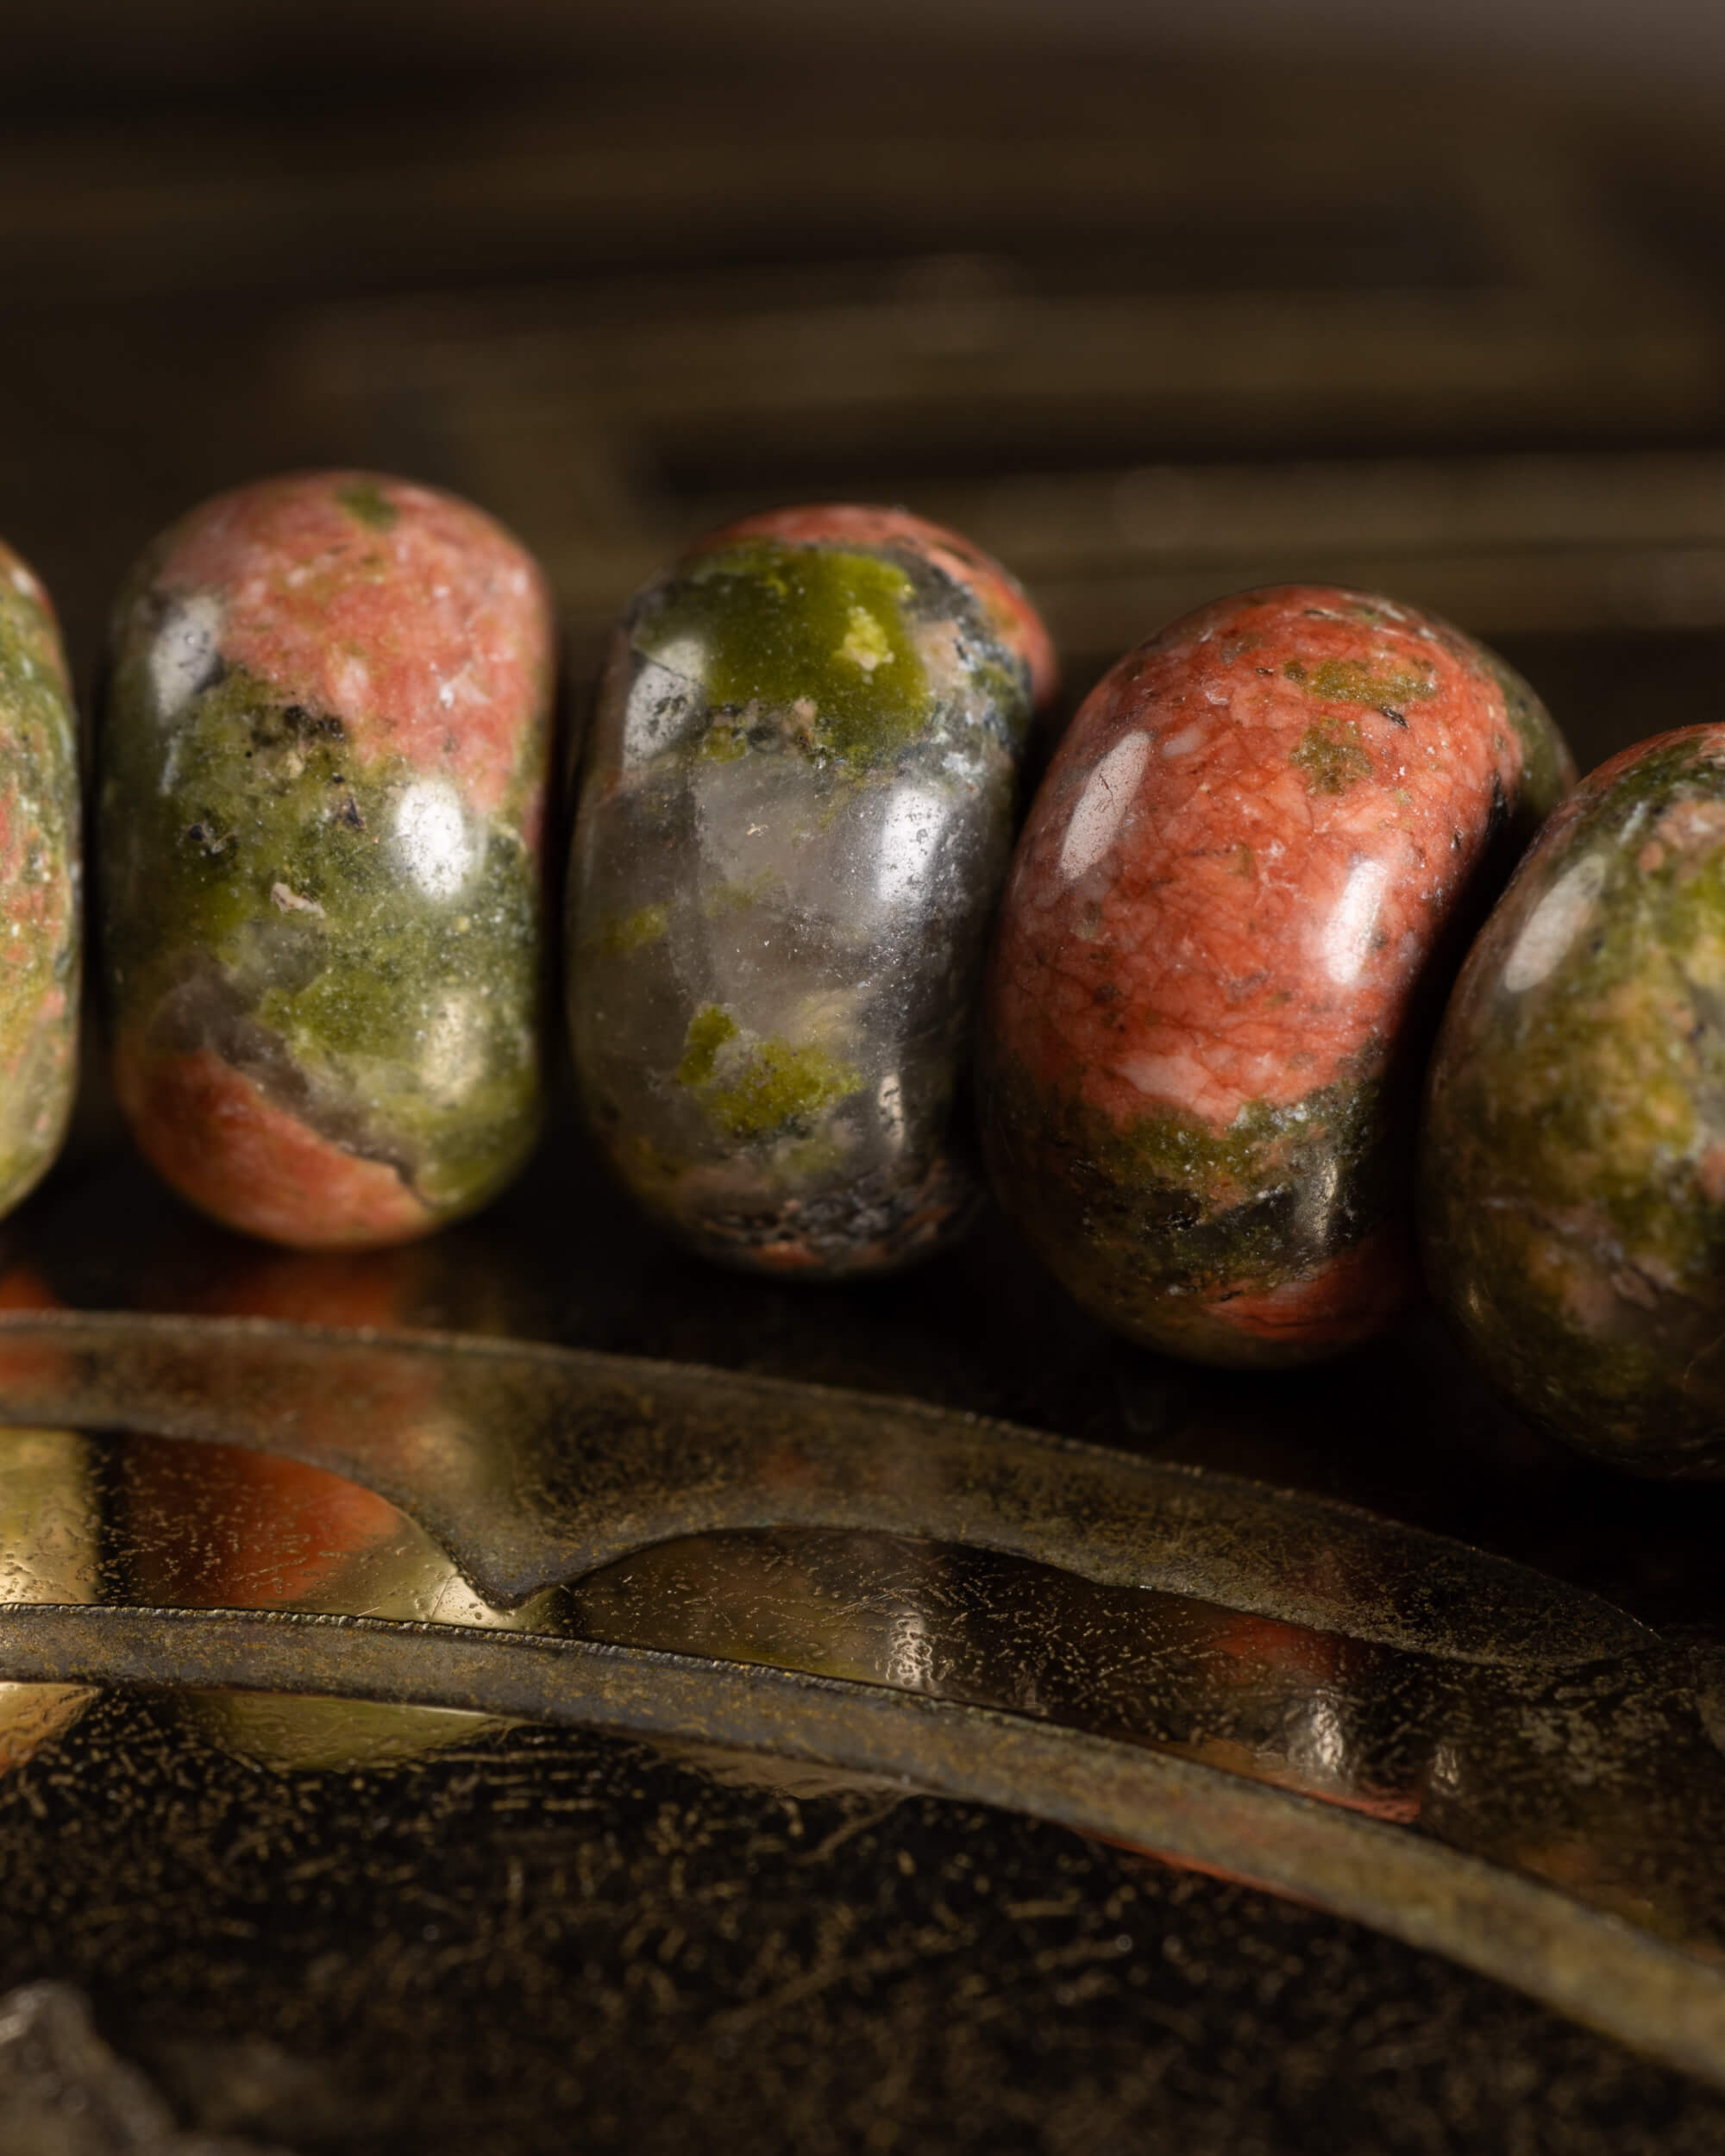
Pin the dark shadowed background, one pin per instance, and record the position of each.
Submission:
(1431, 300)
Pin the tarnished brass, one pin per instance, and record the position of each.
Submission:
(1398, 1728)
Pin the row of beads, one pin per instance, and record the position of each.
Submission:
(1242, 893)
(323, 776)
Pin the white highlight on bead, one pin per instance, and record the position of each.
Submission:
(1348, 932)
(910, 834)
(453, 1049)
(432, 830)
(1553, 924)
(183, 654)
(1103, 805)
(663, 703)
(889, 1102)
(351, 679)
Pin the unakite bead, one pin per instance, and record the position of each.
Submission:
(324, 768)
(796, 812)
(1573, 1149)
(40, 885)
(1242, 891)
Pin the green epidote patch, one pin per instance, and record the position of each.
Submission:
(256, 849)
(1175, 1207)
(1354, 681)
(758, 1088)
(1618, 1050)
(28, 646)
(36, 708)
(366, 502)
(781, 627)
(709, 1029)
(1332, 756)
(624, 934)
(778, 1085)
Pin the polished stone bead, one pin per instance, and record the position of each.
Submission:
(796, 812)
(324, 768)
(41, 887)
(1243, 887)
(1573, 1157)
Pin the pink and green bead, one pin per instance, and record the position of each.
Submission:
(1572, 1186)
(1243, 887)
(796, 810)
(324, 768)
(41, 888)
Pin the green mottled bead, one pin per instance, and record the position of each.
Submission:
(40, 910)
(795, 814)
(320, 815)
(1572, 1162)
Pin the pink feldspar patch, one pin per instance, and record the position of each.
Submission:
(1243, 853)
(410, 615)
(207, 1129)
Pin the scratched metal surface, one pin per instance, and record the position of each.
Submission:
(845, 1600)
(1466, 1752)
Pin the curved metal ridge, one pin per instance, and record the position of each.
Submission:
(1585, 1964)
(532, 1465)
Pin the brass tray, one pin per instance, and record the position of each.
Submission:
(803, 1597)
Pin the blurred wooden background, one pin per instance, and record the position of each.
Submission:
(1149, 331)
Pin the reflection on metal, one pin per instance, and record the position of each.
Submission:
(49, 1530)
(1464, 1753)
(274, 1534)
(532, 1466)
